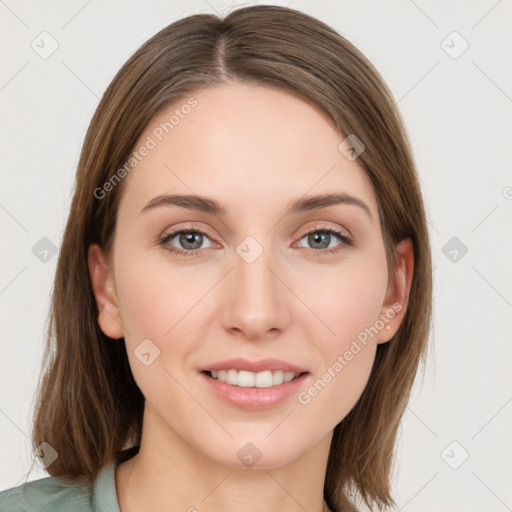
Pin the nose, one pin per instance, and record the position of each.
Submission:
(256, 298)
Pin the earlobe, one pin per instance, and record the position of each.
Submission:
(109, 318)
(397, 296)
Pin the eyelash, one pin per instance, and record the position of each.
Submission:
(346, 241)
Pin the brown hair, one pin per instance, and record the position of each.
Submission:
(89, 407)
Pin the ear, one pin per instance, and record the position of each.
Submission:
(109, 318)
(397, 294)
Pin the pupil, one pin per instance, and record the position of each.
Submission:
(190, 238)
(317, 238)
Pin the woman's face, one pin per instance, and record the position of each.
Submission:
(256, 279)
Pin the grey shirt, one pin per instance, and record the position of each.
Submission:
(55, 494)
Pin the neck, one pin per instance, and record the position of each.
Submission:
(168, 470)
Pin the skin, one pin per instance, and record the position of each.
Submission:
(253, 149)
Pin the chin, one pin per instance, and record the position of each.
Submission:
(256, 450)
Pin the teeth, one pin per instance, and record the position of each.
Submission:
(247, 379)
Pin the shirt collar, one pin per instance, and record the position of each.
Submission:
(104, 496)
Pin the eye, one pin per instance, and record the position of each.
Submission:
(321, 240)
(190, 240)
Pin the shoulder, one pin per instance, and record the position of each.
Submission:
(51, 494)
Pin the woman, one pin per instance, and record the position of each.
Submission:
(243, 292)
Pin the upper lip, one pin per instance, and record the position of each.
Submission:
(255, 366)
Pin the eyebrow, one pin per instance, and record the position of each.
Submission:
(207, 205)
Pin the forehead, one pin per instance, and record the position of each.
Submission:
(245, 145)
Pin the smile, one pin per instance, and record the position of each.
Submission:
(247, 379)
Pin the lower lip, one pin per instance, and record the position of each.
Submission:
(254, 399)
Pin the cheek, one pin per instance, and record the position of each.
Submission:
(165, 305)
(348, 302)
(159, 309)
(337, 386)
(152, 298)
(346, 298)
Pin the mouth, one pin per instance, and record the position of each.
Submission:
(254, 385)
(248, 379)
(254, 391)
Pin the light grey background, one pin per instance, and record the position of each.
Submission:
(458, 113)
